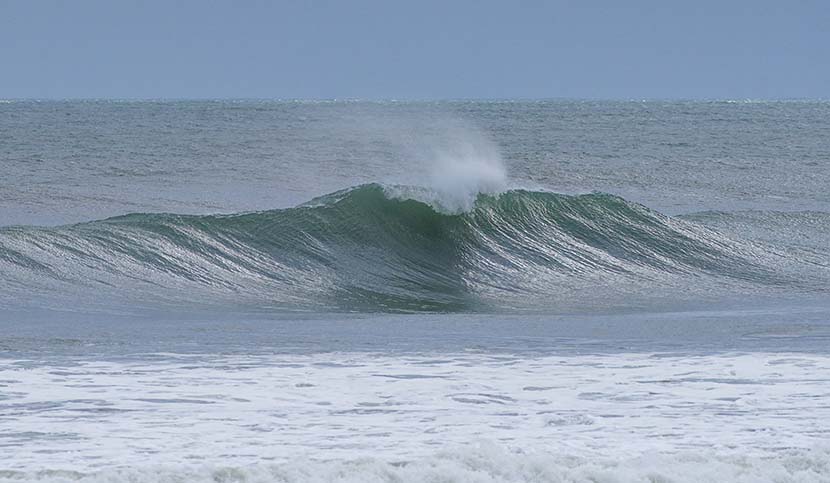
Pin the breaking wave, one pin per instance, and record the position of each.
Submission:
(389, 248)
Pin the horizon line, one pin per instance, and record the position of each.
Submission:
(412, 100)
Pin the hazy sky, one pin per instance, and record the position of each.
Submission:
(417, 49)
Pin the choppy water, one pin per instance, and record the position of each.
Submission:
(456, 291)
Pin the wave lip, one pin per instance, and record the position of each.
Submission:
(387, 248)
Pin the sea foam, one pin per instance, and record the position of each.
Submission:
(419, 417)
(479, 463)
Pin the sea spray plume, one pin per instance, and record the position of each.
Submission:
(432, 155)
(471, 166)
(458, 163)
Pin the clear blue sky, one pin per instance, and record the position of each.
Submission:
(416, 49)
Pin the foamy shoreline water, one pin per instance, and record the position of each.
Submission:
(480, 462)
(555, 417)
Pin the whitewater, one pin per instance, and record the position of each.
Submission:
(399, 291)
(479, 417)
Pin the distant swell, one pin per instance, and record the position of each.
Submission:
(377, 248)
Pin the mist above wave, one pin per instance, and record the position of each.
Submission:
(448, 166)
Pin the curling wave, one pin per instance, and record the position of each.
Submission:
(387, 248)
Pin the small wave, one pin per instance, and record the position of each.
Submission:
(387, 248)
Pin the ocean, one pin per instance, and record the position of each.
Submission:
(455, 291)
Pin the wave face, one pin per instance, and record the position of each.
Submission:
(389, 248)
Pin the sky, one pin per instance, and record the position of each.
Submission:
(417, 49)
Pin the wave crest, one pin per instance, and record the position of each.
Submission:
(386, 248)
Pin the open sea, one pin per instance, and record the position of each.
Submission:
(459, 291)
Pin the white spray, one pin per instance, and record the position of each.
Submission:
(471, 166)
(451, 164)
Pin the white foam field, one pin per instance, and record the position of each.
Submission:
(464, 417)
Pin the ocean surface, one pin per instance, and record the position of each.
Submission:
(458, 291)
